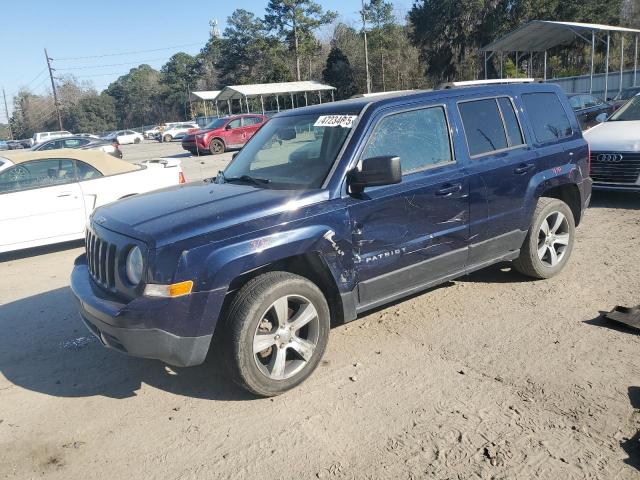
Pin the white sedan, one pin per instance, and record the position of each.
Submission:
(615, 149)
(46, 197)
(126, 137)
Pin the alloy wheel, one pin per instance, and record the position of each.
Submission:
(553, 239)
(286, 337)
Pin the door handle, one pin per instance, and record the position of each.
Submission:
(523, 168)
(448, 189)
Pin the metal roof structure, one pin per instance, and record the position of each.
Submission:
(205, 95)
(241, 92)
(541, 35)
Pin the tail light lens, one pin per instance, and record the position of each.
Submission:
(181, 178)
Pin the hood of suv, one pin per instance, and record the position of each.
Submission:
(194, 209)
(614, 136)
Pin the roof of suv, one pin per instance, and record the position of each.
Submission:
(354, 106)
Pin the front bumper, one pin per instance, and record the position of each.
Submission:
(106, 318)
(193, 144)
(617, 187)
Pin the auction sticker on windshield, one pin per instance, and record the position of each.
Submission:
(345, 121)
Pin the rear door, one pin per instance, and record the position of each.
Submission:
(408, 235)
(501, 165)
(250, 126)
(40, 202)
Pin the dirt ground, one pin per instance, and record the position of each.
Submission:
(491, 376)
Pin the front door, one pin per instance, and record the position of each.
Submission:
(40, 201)
(233, 138)
(409, 235)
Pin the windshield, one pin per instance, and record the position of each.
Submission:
(217, 123)
(293, 152)
(629, 111)
(627, 93)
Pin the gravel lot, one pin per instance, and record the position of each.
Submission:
(490, 376)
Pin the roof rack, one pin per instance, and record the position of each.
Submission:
(493, 81)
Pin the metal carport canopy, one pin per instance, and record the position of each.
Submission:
(541, 35)
(205, 95)
(238, 92)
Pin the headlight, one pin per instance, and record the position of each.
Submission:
(134, 265)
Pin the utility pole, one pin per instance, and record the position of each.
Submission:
(6, 111)
(366, 49)
(53, 87)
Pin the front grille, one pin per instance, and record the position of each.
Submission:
(625, 171)
(101, 260)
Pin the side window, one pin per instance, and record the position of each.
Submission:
(592, 101)
(86, 171)
(419, 137)
(48, 146)
(249, 121)
(514, 133)
(37, 174)
(73, 143)
(483, 126)
(548, 118)
(235, 123)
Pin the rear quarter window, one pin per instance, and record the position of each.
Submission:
(547, 116)
(483, 126)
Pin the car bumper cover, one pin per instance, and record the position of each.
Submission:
(99, 315)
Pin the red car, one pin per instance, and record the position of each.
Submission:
(223, 134)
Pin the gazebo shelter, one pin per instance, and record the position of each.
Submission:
(538, 36)
(279, 91)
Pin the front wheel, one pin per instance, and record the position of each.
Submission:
(166, 138)
(277, 332)
(137, 140)
(549, 242)
(216, 146)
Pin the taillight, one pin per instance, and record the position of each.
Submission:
(181, 178)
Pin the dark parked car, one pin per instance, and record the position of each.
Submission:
(403, 192)
(587, 107)
(223, 133)
(112, 148)
(14, 145)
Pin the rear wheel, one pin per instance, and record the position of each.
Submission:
(216, 146)
(549, 242)
(277, 332)
(137, 140)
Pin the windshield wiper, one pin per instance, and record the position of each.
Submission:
(247, 179)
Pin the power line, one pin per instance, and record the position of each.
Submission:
(87, 67)
(127, 53)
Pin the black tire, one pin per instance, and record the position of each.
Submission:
(137, 140)
(216, 146)
(248, 312)
(167, 138)
(529, 262)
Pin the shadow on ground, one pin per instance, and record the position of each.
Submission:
(624, 200)
(47, 349)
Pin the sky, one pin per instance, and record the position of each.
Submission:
(88, 28)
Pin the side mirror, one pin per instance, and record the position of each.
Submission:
(376, 171)
(227, 126)
(601, 118)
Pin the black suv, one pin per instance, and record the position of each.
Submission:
(359, 203)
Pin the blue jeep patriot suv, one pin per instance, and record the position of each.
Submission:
(330, 211)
